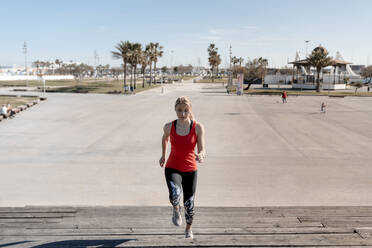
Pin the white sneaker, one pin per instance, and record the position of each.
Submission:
(189, 234)
(177, 219)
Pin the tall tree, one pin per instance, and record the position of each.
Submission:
(144, 62)
(116, 71)
(135, 59)
(240, 61)
(150, 49)
(319, 59)
(234, 61)
(155, 52)
(254, 70)
(158, 53)
(214, 58)
(367, 74)
(122, 52)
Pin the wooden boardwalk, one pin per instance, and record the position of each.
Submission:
(44, 227)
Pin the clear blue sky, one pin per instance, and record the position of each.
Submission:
(274, 29)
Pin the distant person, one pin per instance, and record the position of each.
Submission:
(323, 107)
(284, 97)
(181, 167)
(4, 111)
(126, 89)
(131, 89)
(11, 112)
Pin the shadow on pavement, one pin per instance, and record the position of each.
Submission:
(76, 243)
(14, 243)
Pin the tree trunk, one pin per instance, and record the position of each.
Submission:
(135, 81)
(150, 73)
(131, 76)
(143, 81)
(317, 80)
(125, 76)
(155, 71)
(212, 75)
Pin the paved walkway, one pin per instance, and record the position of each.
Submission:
(95, 149)
(83, 227)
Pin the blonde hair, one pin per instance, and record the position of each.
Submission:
(184, 100)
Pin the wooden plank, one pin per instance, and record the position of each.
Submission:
(324, 211)
(35, 215)
(31, 220)
(35, 209)
(274, 211)
(347, 224)
(307, 240)
(171, 231)
(200, 218)
(105, 225)
(335, 219)
(365, 232)
(340, 221)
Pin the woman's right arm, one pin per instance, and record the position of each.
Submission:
(164, 143)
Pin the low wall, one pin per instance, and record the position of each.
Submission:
(46, 77)
(304, 86)
(324, 86)
(278, 79)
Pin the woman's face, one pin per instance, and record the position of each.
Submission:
(183, 111)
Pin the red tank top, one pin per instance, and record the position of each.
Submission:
(182, 155)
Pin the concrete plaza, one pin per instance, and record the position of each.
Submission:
(96, 149)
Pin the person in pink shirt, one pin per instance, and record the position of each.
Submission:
(284, 97)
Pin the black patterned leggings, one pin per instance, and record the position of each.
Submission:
(177, 182)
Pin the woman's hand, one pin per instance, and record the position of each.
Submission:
(200, 157)
(162, 161)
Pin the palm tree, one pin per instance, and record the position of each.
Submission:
(218, 62)
(319, 59)
(150, 49)
(158, 53)
(240, 60)
(234, 61)
(123, 52)
(38, 64)
(144, 62)
(135, 59)
(214, 58)
(154, 51)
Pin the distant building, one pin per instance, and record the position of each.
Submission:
(357, 68)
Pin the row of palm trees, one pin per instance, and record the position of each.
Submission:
(133, 54)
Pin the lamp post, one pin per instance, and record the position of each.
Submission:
(229, 83)
(306, 41)
(25, 52)
(171, 62)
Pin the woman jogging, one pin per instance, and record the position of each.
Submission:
(181, 167)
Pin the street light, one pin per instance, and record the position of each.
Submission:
(25, 52)
(306, 41)
(229, 83)
(171, 62)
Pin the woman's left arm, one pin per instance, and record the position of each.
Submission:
(201, 142)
